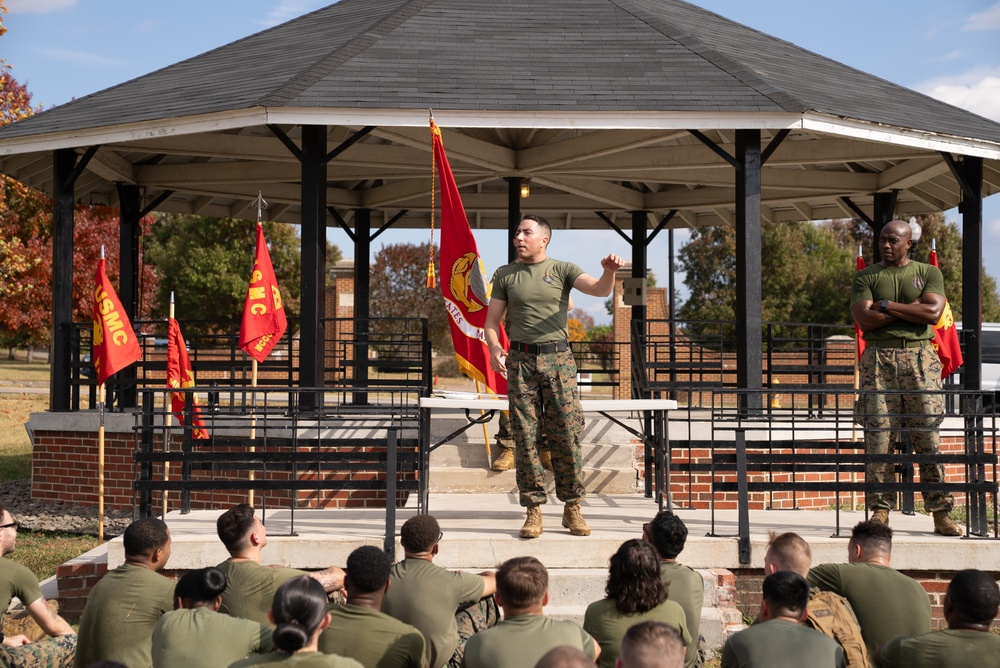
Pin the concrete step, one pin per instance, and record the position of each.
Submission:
(485, 481)
(473, 455)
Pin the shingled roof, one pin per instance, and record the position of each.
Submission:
(512, 76)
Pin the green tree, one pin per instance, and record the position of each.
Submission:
(206, 263)
(398, 280)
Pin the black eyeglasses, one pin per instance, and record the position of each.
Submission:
(16, 525)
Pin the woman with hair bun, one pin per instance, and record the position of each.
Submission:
(299, 615)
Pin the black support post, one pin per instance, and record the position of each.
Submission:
(362, 300)
(884, 207)
(312, 341)
(639, 266)
(749, 308)
(64, 161)
(513, 214)
(128, 271)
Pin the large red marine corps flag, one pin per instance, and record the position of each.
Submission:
(263, 312)
(180, 374)
(115, 345)
(946, 334)
(858, 336)
(463, 281)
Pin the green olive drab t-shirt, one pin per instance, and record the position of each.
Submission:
(898, 284)
(537, 297)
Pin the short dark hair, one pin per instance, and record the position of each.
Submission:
(565, 656)
(789, 552)
(420, 533)
(652, 644)
(634, 578)
(368, 569)
(234, 525)
(200, 586)
(872, 536)
(974, 595)
(667, 533)
(522, 582)
(541, 222)
(145, 536)
(786, 592)
(299, 607)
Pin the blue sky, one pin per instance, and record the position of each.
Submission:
(947, 49)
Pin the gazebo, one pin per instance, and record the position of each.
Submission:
(633, 115)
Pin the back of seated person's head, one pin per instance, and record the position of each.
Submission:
(522, 582)
(667, 533)
(565, 656)
(973, 598)
(634, 578)
(788, 552)
(419, 534)
(145, 536)
(234, 527)
(786, 594)
(298, 609)
(871, 537)
(651, 644)
(368, 570)
(199, 588)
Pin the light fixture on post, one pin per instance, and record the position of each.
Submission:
(525, 189)
(915, 231)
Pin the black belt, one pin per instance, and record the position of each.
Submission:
(898, 343)
(540, 348)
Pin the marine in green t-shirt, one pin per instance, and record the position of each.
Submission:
(124, 607)
(204, 638)
(608, 625)
(970, 606)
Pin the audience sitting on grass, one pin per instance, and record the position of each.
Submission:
(525, 635)
(780, 639)
(668, 534)
(447, 606)
(124, 607)
(651, 644)
(359, 630)
(196, 635)
(17, 581)
(251, 585)
(887, 603)
(970, 606)
(635, 593)
(299, 615)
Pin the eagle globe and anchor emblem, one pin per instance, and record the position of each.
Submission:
(468, 283)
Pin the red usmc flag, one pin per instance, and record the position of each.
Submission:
(263, 313)
(946, 335)
(463, 281)
(180, 374)
(115, 345)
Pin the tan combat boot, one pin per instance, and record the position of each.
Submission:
(532, 523)
(573, 520)
(881, 515)
(504, 461)
(546, 458)
(944, 525)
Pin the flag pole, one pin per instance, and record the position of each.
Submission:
(854, 423)
(167, 423)
(486, 433)
(253, 374)
(100, 455)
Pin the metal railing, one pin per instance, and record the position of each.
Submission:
(280, 441)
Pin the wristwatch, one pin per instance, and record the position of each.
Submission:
(884, 306)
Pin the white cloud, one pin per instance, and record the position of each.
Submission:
(989, 19)
(290, 9)
(38, 6)
(977, 90)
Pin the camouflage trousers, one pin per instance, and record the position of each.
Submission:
(58, 652)
(884, 408)
(505, 439)
(472, 619)
(538, 384)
